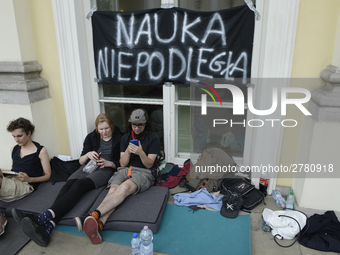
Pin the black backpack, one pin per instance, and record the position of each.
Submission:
(250, 195)
(61, 170)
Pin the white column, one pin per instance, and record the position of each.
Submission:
(78, 89)
(273, 53)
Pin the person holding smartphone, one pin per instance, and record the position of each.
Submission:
(101, 146)
(137, 160)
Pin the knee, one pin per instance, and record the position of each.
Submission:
(127, 188)
(113, 188)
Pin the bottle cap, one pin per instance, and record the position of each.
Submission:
(135, 235)
(146, 227)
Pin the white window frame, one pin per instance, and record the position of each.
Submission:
(272, 57)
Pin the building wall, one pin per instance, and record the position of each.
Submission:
(314, 46)
(46, 52)
(317, 24)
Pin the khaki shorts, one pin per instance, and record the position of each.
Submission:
(141, 176)
(13, 189)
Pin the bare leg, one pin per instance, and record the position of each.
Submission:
(105, 217)
(115, 197)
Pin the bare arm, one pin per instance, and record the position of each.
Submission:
(147, 160)
(125, 157)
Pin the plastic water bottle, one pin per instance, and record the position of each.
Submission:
(264, 181)
(265, 227)
(280, 201)
(135, 244)
(290, 200)
(146, 246)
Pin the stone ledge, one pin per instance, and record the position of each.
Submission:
(20, 67)
(22, 97)
(325, 102)
(20, 83)
(323, 113)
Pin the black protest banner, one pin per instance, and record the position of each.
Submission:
(153, 46)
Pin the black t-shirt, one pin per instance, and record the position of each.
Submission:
(153, 147)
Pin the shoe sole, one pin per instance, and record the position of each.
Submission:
(29, 228)
(91, 230)
(79, 224)
(3, 227)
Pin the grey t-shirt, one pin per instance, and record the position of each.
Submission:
(105, 148)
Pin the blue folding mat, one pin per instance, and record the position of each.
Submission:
(184, 232)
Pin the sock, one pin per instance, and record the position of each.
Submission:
(100, 224)
(44, 217)
(49, 226)
(96, 214)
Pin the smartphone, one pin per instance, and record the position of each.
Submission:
(135, 142)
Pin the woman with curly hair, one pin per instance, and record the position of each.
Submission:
(30, 161)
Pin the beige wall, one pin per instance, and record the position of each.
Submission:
(316, 33)
(46, 51)
(39, 113)
(15, 44)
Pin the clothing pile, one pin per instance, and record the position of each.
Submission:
(172, 174)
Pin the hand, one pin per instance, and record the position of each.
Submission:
(93, 155)
(138, 150)
(23, 177)
(101, 162)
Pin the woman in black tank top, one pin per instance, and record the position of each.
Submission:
(29, 158)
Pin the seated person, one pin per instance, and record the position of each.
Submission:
(29, 159)
(105, 139)
(140, 159)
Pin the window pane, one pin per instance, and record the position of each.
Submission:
(196, 131)
(155, 92)
(184, 127)
(127, 5)
(183, 93)
(209, 5)
(229, 133)
(120, 114)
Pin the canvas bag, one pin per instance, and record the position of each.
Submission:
(198, 176)
(250, 195)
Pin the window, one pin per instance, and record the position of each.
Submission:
(171, 108)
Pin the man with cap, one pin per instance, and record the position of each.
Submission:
(137, 160)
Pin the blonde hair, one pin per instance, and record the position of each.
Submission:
(102, 117)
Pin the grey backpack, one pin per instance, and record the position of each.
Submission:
(212, 165)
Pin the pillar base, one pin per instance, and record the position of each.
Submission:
(20, 83)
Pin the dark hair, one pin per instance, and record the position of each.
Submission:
(23, 123)
(148, 125)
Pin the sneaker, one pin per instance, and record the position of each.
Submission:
(35, 232)
(3, 223)
(80, 222)
(18, 215)
(231, 205)
(91, 229)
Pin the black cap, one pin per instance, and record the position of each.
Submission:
(231, 205)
